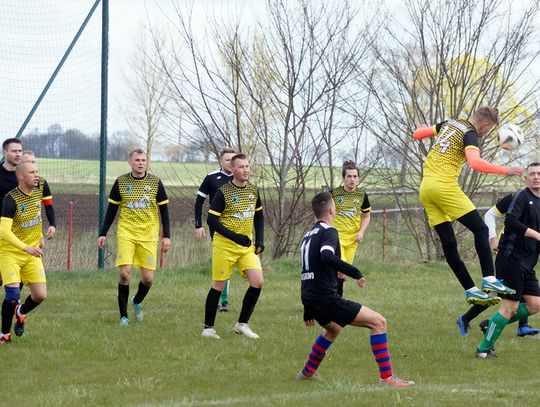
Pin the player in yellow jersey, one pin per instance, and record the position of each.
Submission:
(457, 142)
(235, 210)
(141, 198)
(352, 215)
(21, 249)
(28, 156)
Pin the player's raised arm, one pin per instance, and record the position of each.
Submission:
(424, 131)
(481, 165)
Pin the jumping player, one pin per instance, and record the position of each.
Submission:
(457, 142)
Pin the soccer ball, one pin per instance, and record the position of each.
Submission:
(510, 137)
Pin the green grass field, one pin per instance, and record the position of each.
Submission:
(75, 354)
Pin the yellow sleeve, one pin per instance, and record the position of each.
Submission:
(8, 236)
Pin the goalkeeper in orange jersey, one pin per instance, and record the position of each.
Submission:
(457, 142)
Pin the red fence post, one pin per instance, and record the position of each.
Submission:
(70, 234)
(384, 236)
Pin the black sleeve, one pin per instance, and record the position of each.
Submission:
(471, 139)
(258, 221)
(218, 202)
(328, 257)
(512, 224)
(504, 203)
(9, 207)
(199, 202)
(333, 261)
(164, 212)
(109, 218)
(115, 192)
(365, 205)
(214, 223)
(439, 125)
(516, 209)
(161, 195)
(49, 211)
(46, 188)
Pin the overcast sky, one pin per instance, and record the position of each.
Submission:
(34, 34)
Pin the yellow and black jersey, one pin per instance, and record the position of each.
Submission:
(349, 207)
(138, 199)
(235, 207)
(447, 155)
(24, 213)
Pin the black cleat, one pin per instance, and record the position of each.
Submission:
(484, 325)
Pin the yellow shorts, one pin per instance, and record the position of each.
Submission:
(443, 201)
(17, 267)
(348, 250)
(139, 254)
(223, 260)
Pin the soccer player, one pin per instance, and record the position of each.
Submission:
(21, 250)
(208, 188)
(496, 211)
(141, 198)
(457, 142)
(12, 152)
(352, 215)
(235, 210)
(28, 156)
(320, 255)
(516, 258)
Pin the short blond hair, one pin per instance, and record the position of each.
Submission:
(486, 114)
(136, 151)
(226, 150)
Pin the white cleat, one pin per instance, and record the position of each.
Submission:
(243, 329)
(210, 333)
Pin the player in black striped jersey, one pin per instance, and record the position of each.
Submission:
(211, 183)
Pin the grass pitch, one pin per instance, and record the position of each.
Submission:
(75, 354)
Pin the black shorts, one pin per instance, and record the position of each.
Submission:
(340, 311)
(516, 276)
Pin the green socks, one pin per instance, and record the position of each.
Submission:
(494, 330)
(522, 312)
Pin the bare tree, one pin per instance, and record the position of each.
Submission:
(441, 60)
(276, 90)
(148, 92)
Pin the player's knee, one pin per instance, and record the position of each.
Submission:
(13, 294)
(449, 244)
(39, 297)
(509, 308)
(125, 276)
(378, 324)
(533, 305)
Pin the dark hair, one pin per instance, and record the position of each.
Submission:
(487, 114)
(321, 203)
(348, 165)
(533, 164)
(239, 156)
(8, 141)
(226, 150)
